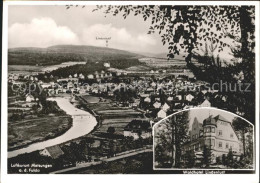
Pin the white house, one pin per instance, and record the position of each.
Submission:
(106, 64)
(179, 97)
(161, 114)
(170, 98)
(189, 97)
(90, 76)
(147, 99)
(165, 107)
(204, 91)
(157, 105)
(206, 103)
(110, 93)
(95, 91)
(153, 84)
(29, 98)
(54, 152)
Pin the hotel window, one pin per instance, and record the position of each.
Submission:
(231, 135)
(207, 142)
(212, 143)
(220, 133)
(213, 129)
(208, 129)
(193, 137)
(226, 145)
(220, 144)
(196, 136)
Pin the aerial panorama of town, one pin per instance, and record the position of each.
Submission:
(92, 110)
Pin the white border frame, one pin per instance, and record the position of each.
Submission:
(5, 178)
(198, 169)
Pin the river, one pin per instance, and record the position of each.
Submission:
(82, 124)
(33, 69)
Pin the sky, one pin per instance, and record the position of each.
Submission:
(204, 113)
(43, 26)
(48, 25)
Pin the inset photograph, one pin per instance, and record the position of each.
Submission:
(203, 138)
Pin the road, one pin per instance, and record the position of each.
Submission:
(121, 156)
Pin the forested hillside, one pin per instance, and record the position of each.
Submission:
(64, 53)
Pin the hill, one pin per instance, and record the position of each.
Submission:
(64, 53)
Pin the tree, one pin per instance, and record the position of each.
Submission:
(180, 123)
(190, 159)
(242, 127)
(171, 134)
(161, 157)
(111, 130)
(188, 28)
(163, 144)
(112, 147)
(218, 161)
(184, 27)
(224, 159)
(250, 145)
(230, 159)
(206, 156)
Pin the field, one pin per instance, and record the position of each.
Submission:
(112, 115)
(21, 134)
(165, 63)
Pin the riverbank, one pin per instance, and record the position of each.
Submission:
(23, 134)
(82, 124)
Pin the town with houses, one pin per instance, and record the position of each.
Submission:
(125, 89)
(126, 106)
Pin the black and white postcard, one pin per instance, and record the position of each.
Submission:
(128, 87)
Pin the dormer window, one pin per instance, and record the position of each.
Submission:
(231, 135)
